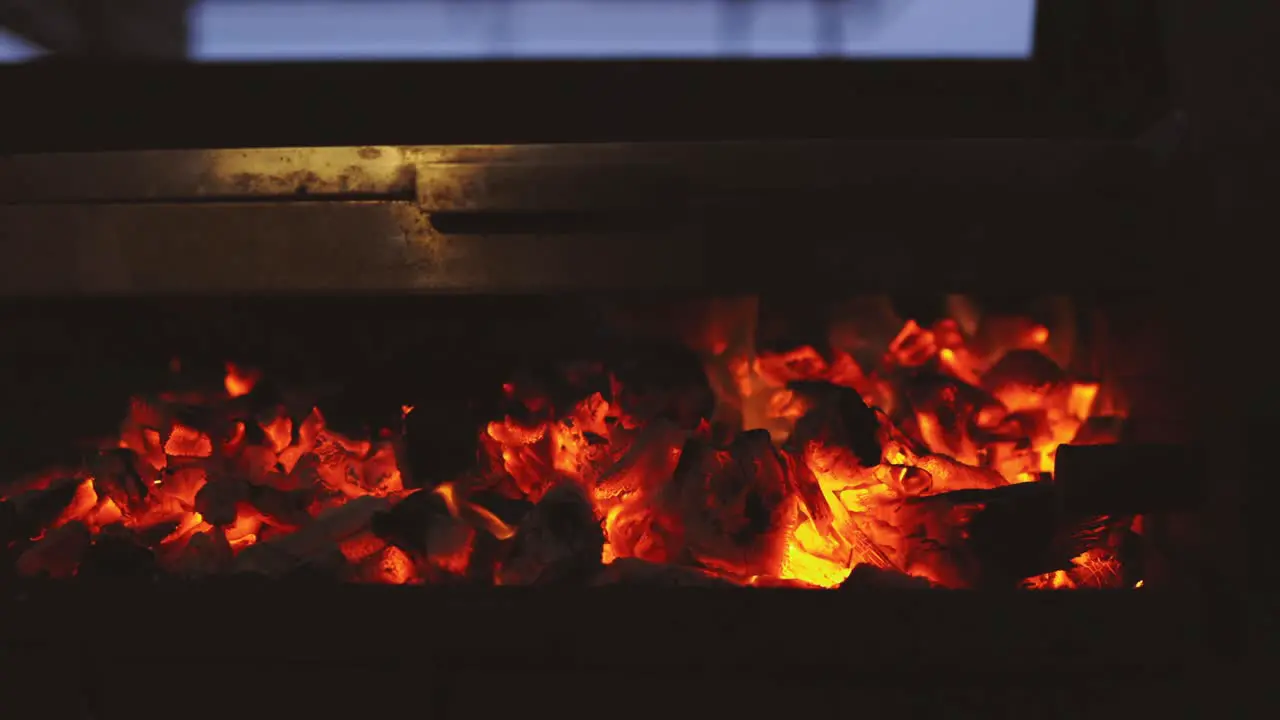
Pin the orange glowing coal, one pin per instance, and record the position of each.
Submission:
(879, 464)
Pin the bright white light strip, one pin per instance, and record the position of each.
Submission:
(333, 29)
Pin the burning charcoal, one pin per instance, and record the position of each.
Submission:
(391, 566)
(203, 554)
(115, 554)
(806, 485)
(217, 500)
(429, 525)
(649, 461)
(1022, 379)
(559, 541)
(838, 416)
(314, 541)
(116, 475)
(869, 577)
(57, 554)
(1129, 479)
(949, 474)
(156, 534)
(633, 571)
(948, 413)
(406, 524)
(509, 510)
(736, 517)
(25, 515)
(281, 507)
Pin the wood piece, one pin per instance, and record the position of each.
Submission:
(1016, 532)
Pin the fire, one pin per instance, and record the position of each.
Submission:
(825, 464)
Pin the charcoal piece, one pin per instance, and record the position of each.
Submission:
(487, 552)
(217, 500)
(633, 571)
(1021, 377)
(25, 515)
(57, 554)
(1130, 479)
(663, 381)
(648, 461)
(838, 416)
(313, 543)
(948, 474)
(152, 536)
(287, 508)
(759, 470)
(115, 554)
(507, 509)
(559, 542)
(407, 524)
(735, 507)
(117, 475)
(870, 577)
(956, 407)
(203, 554)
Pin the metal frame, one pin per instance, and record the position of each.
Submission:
(508, 218)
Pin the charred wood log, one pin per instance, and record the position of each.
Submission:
(203, 554)
(558, 542)
(26, 515)
(1018, 531)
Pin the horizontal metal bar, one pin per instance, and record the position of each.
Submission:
(395, 247)
(527, 177)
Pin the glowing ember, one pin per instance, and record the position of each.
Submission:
(856, 465)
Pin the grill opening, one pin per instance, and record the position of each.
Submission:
(798, 440)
